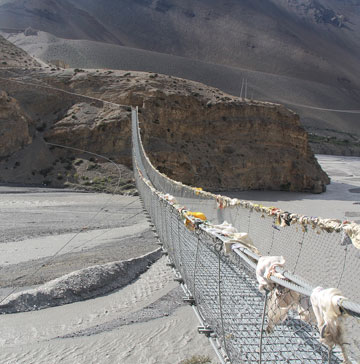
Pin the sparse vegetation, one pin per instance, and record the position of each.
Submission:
(44, 172)
(102, 126)
(314, 138)
(78, 162)
(197, 359)
(91, 166)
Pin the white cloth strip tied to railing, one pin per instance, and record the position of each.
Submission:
(282, 300)
(326, 304)
(265, 269)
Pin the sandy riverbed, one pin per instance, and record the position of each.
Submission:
(143, 322)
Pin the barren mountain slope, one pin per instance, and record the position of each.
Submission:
(270, 36)
(291, 91)
(296, 52)
(311, 39)
(59, 17)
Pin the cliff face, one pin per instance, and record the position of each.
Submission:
(104, 130)
(14, 126)
(193, 133)
(230, 145)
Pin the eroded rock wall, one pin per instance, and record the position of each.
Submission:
(14, 126)
(230, 145)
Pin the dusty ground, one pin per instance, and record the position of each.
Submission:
(144, 322)
(36, 223)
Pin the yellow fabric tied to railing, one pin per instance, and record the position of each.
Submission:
(198, 215)
(197, 190)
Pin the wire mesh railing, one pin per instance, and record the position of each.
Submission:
(252, 327)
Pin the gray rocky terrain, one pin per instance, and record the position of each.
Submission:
(194, 133)
(304, 54)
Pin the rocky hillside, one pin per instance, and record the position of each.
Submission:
(194, 133)
(14, 57)
(14, 126)
(222, 143)
(61, 17)
(302, 53)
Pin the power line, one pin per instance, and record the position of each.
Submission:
(243, 88)
(320, 108)
(61, 90)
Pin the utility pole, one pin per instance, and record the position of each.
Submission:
(242, 87)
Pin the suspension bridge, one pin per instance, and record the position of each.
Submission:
(214, 244)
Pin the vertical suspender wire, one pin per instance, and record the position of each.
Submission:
(262, 326)
(171, 236)
(272, 239)
(249, 218)
(220, 304)
(345, 256)
(167, 229)
(161, 222)
(196, 260)
(298, 257)
(181, 268)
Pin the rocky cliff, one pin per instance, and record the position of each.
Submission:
(229, 144)
(194, 133)
(14, 126)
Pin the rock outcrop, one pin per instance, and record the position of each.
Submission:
(194, 133)
(230, 145)
(14, 126)
(317, 12)
(11, 56)
(104, 130)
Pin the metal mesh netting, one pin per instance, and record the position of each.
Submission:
(322, 258)
(251, 327)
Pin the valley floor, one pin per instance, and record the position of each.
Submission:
(144, 322)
